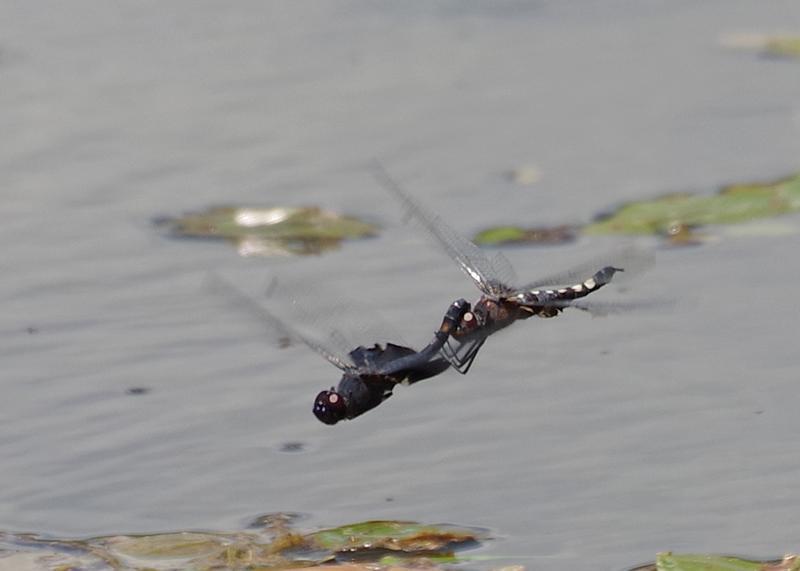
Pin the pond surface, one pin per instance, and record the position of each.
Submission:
(134, 399)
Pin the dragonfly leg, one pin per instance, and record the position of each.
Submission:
(460, 358)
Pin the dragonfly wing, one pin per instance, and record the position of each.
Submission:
(493, 276)
(633, 261)
(604, 308)
(281, 328)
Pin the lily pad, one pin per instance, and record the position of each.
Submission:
(731, 204)
(271, 231)
(676, 216)
(671, 562)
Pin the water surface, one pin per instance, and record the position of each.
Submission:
(613, 438)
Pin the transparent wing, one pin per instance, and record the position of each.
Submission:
(494, 276)
(631, 259)
(323, 314)
(331, 351)
(604, 308)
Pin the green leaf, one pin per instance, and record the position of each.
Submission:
(671, 562)
(395, 536)
(783, 46)
(732, 204)
(516, 235)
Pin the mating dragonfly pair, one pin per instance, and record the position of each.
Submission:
(370, 374)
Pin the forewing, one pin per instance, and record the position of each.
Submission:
(325, 315)
(331, 350)
(494, 276)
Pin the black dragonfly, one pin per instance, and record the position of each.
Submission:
(501, 302)
(369, 374)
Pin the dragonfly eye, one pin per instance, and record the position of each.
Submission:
(329, 407)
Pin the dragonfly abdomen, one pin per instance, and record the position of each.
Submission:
(549, 296)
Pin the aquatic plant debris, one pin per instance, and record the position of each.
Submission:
(675, 216)
(271, 231)
(273, 545)
(516, 235)
(668, 561)
(732, 204)
(404, 536)
(774, 46)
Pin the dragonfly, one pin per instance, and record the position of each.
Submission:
(369, 373)
(503, 303)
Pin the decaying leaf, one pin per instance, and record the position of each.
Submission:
(271, 544)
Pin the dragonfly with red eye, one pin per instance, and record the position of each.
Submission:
(502, 303)
(369, 374)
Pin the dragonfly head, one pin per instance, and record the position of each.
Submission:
(329, 407)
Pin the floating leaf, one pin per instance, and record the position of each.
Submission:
(395, 536)
(679, 234)
(271, 231)
(779, 46)
(167, 546)
(732, 204)
(273, 545)
(675, 216)
(671, 562)
(516, 235)
(783, 46)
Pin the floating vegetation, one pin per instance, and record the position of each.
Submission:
(732, 204)
(668, 561)
(272, 231)
(408, 537)
(675, 216)
(783, 46)
(679, 234)
(516, 235)
(775, 46)
(526, 175)
(271, 544)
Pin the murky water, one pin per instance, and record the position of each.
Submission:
(576, 437)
